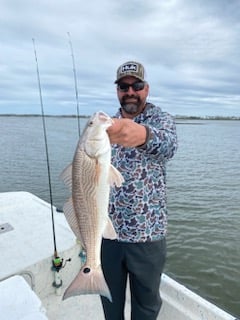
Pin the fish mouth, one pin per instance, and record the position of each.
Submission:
(103, 116)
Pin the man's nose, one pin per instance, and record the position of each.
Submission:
(130, 90)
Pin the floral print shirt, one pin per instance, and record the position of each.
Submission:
(138, 209)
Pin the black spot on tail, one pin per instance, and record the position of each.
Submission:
(86, 270)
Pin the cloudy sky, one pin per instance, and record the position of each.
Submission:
(190, 49)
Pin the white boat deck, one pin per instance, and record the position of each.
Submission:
(31, 237)
(26, 246)
(18, 301)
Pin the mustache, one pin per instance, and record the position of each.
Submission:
(129, 97)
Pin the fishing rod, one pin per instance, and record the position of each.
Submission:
(75, 82)
(82, 253)
(57, 263)
(46, 148)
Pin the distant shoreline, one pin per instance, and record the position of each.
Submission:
(178, 117)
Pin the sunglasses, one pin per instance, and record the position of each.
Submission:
(136, 86)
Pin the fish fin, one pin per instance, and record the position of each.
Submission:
(115, 177)
(66, 176)
(109, 232)
(88, 281)
(71, 218)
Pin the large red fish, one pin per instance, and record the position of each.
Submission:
(90, 176)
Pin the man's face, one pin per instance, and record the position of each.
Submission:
(132, 98)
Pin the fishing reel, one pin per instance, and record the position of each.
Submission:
(58, 263)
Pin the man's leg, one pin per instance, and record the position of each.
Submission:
(112, 258)
(145, 262)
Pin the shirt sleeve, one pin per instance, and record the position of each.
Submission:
(161, 139)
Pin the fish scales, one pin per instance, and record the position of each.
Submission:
(89, 178)
(90, 225)
(85, 199)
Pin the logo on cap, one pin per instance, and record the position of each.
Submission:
(130, 68)
(133, 67)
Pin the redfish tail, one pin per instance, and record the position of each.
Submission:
(88, 281)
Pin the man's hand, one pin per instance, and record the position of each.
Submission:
(127, 133)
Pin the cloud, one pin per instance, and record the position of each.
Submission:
(190, 51)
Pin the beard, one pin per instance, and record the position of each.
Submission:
(131, 107)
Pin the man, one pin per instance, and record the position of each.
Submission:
(143, 139)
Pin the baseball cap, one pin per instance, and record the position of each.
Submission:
(130, 68)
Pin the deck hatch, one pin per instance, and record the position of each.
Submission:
(5, 227)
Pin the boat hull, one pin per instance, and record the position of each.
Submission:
(26, 246)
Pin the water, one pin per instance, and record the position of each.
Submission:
(203, 194)
(204, 205)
